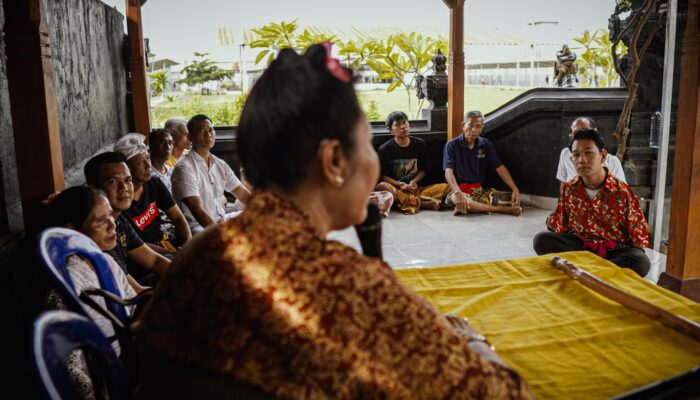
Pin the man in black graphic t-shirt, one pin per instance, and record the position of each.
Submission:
(404, 163)
(127, 240)
(151, 200)
(109, 172)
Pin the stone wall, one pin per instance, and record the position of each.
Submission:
(10, 209)
(86, 41)
(89, 69)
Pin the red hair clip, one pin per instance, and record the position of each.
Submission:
(333, 65)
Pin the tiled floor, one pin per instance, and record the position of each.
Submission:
(432, 238)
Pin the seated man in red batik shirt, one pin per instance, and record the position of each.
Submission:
(597, 211)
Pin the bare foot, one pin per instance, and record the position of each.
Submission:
(514, 210)
(430, 204)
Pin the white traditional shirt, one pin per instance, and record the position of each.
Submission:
(193, 177)
(165, 177)
(566, 170)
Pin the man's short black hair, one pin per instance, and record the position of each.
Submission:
(396, 116)
(194, 120)
(588, 134)
(472, 113)
(92, 167)
(158, 135)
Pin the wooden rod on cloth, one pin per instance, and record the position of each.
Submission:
(671, 320)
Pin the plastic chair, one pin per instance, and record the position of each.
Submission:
(56, 335)
(55, 246)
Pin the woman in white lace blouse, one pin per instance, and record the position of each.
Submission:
(87, 210)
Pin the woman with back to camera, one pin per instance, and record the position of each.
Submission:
(265, 301)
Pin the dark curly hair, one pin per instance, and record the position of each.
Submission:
(396, 116)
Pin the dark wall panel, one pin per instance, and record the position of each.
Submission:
(86, 43)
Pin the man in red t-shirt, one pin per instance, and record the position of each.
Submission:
(597, 211)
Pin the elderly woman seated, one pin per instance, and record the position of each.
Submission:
(87, 210)
(265, 301)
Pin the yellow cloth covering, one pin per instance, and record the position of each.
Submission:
(565, 340)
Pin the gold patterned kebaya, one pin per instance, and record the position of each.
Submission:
(264, 299)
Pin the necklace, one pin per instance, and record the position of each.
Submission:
(594, 187)
(599, 185)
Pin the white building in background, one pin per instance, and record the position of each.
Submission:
(175, 73)
(172, 72)
(492, 57)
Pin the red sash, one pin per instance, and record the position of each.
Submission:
(468, 188)
(600, 249)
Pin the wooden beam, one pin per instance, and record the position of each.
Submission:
(682, 273)
(455, 72)
(33, 106)
(137, 67)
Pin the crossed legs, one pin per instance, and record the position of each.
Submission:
(401, 197)
(627, 257)
(476, 206)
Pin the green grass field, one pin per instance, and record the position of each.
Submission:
(222, 110)
(484, 98)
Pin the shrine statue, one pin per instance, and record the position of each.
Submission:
(565, 68)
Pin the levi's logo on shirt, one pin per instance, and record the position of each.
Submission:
(481, 153)
(142, 221)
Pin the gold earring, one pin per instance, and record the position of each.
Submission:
(339, 180)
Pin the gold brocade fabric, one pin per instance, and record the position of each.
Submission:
(566, 341)
(263, 299)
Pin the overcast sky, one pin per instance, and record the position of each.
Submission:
(176, 28)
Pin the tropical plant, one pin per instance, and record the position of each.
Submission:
(398, 58)
(595, 61)
(357, 52)
(202, 71)
(274, 37)
(159, 82)
(401, 58)
(372, 111)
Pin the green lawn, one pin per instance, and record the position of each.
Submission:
(484, 98)
(222, 110)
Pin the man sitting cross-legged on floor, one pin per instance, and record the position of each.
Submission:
(404, 163)
(200, 179)
(566, 170)
(151, 199)
(109, 172)
(597, 211)
(465, 161)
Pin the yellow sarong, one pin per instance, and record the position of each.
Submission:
(409, 203)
